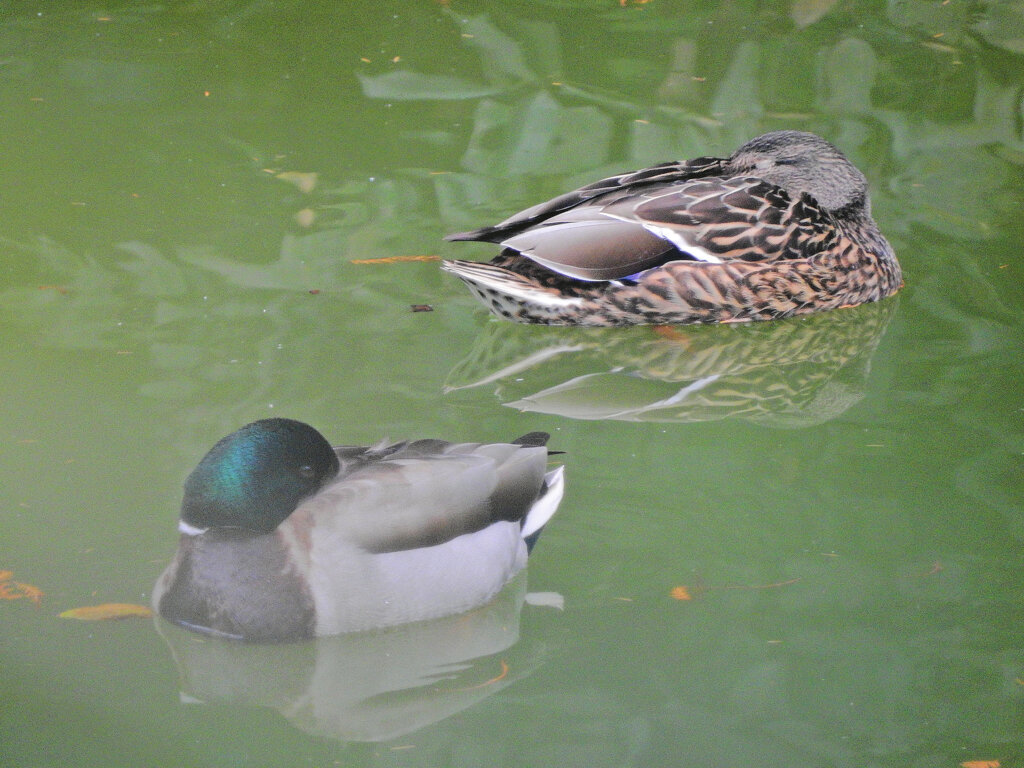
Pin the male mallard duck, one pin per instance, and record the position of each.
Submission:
(284, 537)
(782, 227)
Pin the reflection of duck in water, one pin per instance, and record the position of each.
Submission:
(366, 686)
(284, 537)
(790, 373)
(782, 227)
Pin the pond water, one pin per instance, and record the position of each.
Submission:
(185, 193)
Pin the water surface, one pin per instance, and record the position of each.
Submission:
(186, 190)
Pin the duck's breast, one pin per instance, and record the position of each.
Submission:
(236, 585)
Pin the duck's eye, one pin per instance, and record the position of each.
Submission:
(307, 471)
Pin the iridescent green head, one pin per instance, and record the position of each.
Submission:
(255, 478)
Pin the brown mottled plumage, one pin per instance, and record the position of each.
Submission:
(782, 227)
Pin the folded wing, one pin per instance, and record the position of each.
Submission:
(616, 234)
(428, 492)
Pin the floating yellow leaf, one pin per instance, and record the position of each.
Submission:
(394, 259)
(304, 181)
(981, 764)
(497, 678)
(15, 590)
(680, 593)
(107, 611)
(940, 47)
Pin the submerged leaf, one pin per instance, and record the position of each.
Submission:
(305, 182)
(680, 593)
(107, 611)
(496, 679)
(980, 764)
(15, 590)
(546, 600)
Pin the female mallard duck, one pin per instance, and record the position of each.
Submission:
(284, 537)
(782, 227)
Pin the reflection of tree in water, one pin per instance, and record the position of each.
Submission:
(214, 339)
(551, 97)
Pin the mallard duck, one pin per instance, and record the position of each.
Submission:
(782, 227)
(284, 537)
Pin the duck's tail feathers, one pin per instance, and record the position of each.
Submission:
(544, 507)
(532, 439)
(484, 234)
(536, 440)
(485, 274)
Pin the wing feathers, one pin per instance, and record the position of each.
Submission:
(621, 226)
(429, 492)
(596, 249)
(545, 506)
(622, 185)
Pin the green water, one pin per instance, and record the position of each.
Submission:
(841, 496)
